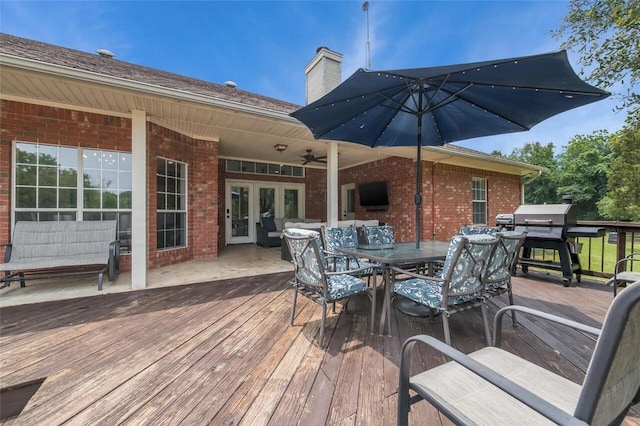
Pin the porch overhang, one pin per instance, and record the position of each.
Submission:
(243, 130)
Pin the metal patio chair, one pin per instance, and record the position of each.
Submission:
(493, 386)
(334, 238)
(313, 278)
(502, 264)
(381, 234)
(623, 272)
(459, 286)
(478, 230)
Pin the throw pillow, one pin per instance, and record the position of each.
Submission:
(269, 223)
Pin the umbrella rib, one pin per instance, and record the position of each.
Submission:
(539, 89)
(452, 97)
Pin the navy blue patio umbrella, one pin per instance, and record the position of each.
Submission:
(438, 105)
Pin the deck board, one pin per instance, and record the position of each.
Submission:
(224, 353)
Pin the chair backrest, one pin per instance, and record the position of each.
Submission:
(477, 230)
(504, 257)
(612, 383)
(464, 265)
(307, 257)
(339, 237)
(40, 240)
(382, 234)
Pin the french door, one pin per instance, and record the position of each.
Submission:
(247, 201)
(239, 213)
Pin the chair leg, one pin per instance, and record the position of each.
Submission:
(485, 323)
(403, 387)
(324, 319)
(445, 325)
(513, 313)
(293, 308)
(374, 289)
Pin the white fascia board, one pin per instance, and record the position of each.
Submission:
(484, 157)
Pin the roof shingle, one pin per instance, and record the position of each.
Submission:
(75, 59)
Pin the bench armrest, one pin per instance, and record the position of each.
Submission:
(7, 252)
(114, 260)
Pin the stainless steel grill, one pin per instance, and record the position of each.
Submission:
(554, 227)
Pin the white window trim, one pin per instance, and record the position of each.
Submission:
(79, 209)
(474, 200)
(186, 206)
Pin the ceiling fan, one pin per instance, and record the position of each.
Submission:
(310, 157)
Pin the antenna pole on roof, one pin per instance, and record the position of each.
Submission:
(365, 8)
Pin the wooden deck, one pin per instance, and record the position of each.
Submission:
(222, 353)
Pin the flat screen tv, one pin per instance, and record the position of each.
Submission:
(373, 195)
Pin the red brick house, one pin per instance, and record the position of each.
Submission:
(187, 166)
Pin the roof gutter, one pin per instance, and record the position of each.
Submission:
(121, 83)
(528, 181)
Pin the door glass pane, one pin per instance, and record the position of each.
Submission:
(291, 203)
(267, 200)
(240, 211)
(351, 201)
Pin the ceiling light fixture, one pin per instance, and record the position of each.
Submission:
(280, 147)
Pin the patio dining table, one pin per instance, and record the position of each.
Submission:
(389, 255)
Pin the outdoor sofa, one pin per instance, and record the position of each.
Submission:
(50, 249)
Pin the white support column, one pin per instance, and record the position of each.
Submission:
(139, 222)
(332, 184)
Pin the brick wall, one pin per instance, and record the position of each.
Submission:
(201, 159)
(57, 126)
(54, 126)
(451, 199)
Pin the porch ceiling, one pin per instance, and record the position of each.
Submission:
(244, 132)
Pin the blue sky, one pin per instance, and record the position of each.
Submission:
(264, 46)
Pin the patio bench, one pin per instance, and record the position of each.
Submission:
(49, 249)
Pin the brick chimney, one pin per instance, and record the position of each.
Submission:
(323, 73)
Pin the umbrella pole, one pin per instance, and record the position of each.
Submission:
(418, 197)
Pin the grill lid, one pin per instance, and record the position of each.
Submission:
(545, 215)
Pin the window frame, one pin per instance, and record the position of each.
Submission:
(79, 212)
(183, 179)
(477, 202)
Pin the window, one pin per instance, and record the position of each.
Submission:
(107, 189)
(479, 201)
(264, 168)
(69, 183)
(172, 204)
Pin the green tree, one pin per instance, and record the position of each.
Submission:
(622, 201)
(583, 169)
(542, 189)
(606, 34)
